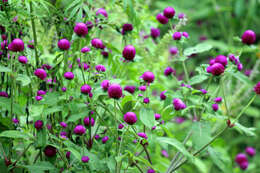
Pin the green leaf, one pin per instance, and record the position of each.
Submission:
(147, 117)
(53, 109)
(199, 48)
(200, 134)
(198, 79)
(41, 138)
(77, 116)
(25, 80)
(40, 167)
(243, 78)
(177, 144)
(36, 110)
(14, 134)
(249, 131)
(4, 69)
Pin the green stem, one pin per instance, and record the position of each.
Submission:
(185, 71)
(244, 109)
(116, 131)
(224, 95)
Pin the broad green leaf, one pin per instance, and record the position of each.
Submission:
(202, 167)
(199, 48)
(53, 109)
(36, 110)
(74, 152)
(249, 131)
(51, 98)
(198, 79)
(77, 116)
(14, 134)
(177, 144)
(240, 76)
(200, 134)
(147, 117)
(40, 167)
(4, 69)
(25, 80)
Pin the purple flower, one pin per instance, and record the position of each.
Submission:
(130, 118)
(239, 66)
(63, 134)
(257, 88)
(185, 34)
(105, 84)
(173, 50)
(79, 130)
(248, 37)
(176, 36)
(48, 126)
(17, 45)
(85, 49)
(142, 135)
(81, 29)
(146, 100)
(248, 72)
(97, 43)
(204, 91)
(23, 59)
(105, 139)
(162, 95)
(221, 59)
(40, 92)
(115, 91)
(89, 24)
(127, 28)
(31, 44)
(15, 121)
(100, 68)
(250, 151)
(218, 99)
(168, 71)
(157, 116)
(68, 154)
(38, 124)
(181, 16)
(155, 32)
(38, 98)
(87, 123)
(105, 54)
(64, 89)
(85, 159)
(130, 89)
(240, 157)
(40, 73)
(129, 52)
(164, 153)
(120, 126)
(178, 104)
(217, 69)
(50, 151)
(212, 61)
(63, 124)
(102, 11)
(97, 137)
(243, 165)
(85, 89)
(142, 88)
(162, 19)
(169, 12)
(64, 44)
(148, 76)
(69, 75)
(150, 171)
(179, 120)
(154, 127)
(215, 107)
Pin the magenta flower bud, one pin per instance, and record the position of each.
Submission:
(40, 73)
(50, 151)
(148, 76)
(240, 158)
(209, 69)
(97, 137)
(3, 45)
(150, 171)
(63, 124)
(79, 130)
(105, 139)
(89, 24)
(221, 59)
(130, 89)
(48, 126)
(105, 54)
(146, 100)
(38, 98)
(142, 88)
(87, 123)
(178, 104)
(46, 66)
(127, 28)
(15, 121)
(100, 68)
(173, 50)
(155, 32)
(204, 91)
(162, 19)
(248, 37)
(154, 127)
(102, 11)
(185, 34)
(218, 99)
(162, 95)
(176, 36)
(81, 29)
(135, 141)
(105, 84)
(257, 88)
(232, 58)
(115, 91)
(142, 135)
(215, 107)
(243, 165)
(120, 126)
(239, 66)
(64, 44)
(4, 37)
(69, 75)
(64, 89)
(68, 154)
(130, 118)
(85, 49)
(97, 43)
(181, 16)
(212, 61)
(164, 153)
(85, 159)
(85, 89)
(168, 71)
(38, 124)
(217, 69)
(17, 45)
(23, 59)
(248, 72)
(169, 12)
(31, 44)
(40, 92)
(157, 116)
(179, 120)
(129, 52)
(250, 151)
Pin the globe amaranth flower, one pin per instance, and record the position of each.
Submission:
(15, 120)
(89, 25)
(215, 107)
(127, 28)
(97, 43)
(216, 69)
(85, 159)
(185, 34)
(38, 98)
(64, 89)
(155, 32)
(178, 104)
(148, 76)
(102, 11)
(68, 153)
(146, 100)
(142, 135)
(204, 91)
(130, 118)
(168, 71)
(157, 116)
(79, 130)
(41, 92)
(85, 49)
(105, 54)
(85, 89)
(240, 157)
(243, 165)
(115, 91)
(154, 127)
(130, 89)
(162, 95)
(218, 99)
(129, 52)
(121, 126)
(165, 153)
(69, 75)
(81, 29)
(97, 137)
(38, 124)
(169, 12)
(221, 59)
(23, 59)
(87, 122)
(239, 66)
(250, 151)
(100, 68)
(248, 37)
(162, 19)
(50, 151)
(64, 44)
(176, 36)
(105, 139)
(150, 171)
(173, 50)
(181, 16)
(142, 88)
(17, 45)
(30, 44)
(105, 84)
(63, 124)
(46, 66)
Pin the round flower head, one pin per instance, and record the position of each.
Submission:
(64, 89)
(142, 88)
(15, 121)
(169, 12)
(89, 24)
(168, 71)
(154, 127)
(85, 49)
(50, 151)
(69, 75)
(146, 100)
(100, 68)
(97, 43)
(38, 124)
(120, 126)
(105, 54)
(17, 45)
(130, 118)
(176, 36)
(130, 89)
(178, 104)
(79, 130)
(115, 91)
(185, 34)
(3, 94)
(240, 158)
(31, 44)
(157, 116)
(215, 107)
(127, 28)
(23, 59)
(155, 32)
(81, 29)
(250, 151)
(164, 153)
(221, 59)
(162, 19)
(248, 72)
(38, 98)
(40, 92)
(179, 120)
(142, 135)
(217, 69)
(212, 61)
(63, 124)
(248, 37)
(102, 11)
(243, 165)
(239, 66)
(232, 58)
(85, 89)
(150, 171)
(173, 50)
(87, 123)
(162, 95)
(257, 88)
(97, 137)
(105, 139)
(4, 37)
(181, 16)
(218, 99)
(64, 44)
(46, 66)
(40, 73)
(105, 84)
(85, 159)
(129, 52)
(204, 91)
(68, 154)
(148, 76)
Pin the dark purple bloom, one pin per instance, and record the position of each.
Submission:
(250, 151)
(212, 61)
(165, 153)
(85, 89)
(50, 151)
(142, 88)
(105, 139)
(215, 107)
(181, 16)
(97, 137)
(239, 66)
(89, 24)
(23, 59)
(100, 68)
(38, 124)
(185, 34)
(115, 91)
(31, 44)
(97, 43)
(155, 32)
(217, 69)
(204, 91)
(40, 92)
(142, 135)
(150, 171)
(241, 157)
(40, 73)
(69, 75)
(168, 71)
(105, 54)
(87, 123)
(146, 100)
(105, 84)
(68, 154)
(85, 49)
(257, 88)
(162, 19)
(64, 89)
(85, 159)
(120, 126)
(130, 118)
(148, 76)
(17, 45)
(218, 99)
(243, 165)
(63, 124)
(173, 50)
(130, 89)
(162, 95)
(38, 98)
(15, 121)
(221, 59)
(248, 37)
(176, 36)
(248, 72)
(157, 116)
(102, 11)
(169, 12)
(129, 52)
(64, 44)
(127, 28)
(178, 104)
(79, 130)
(81, 29)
